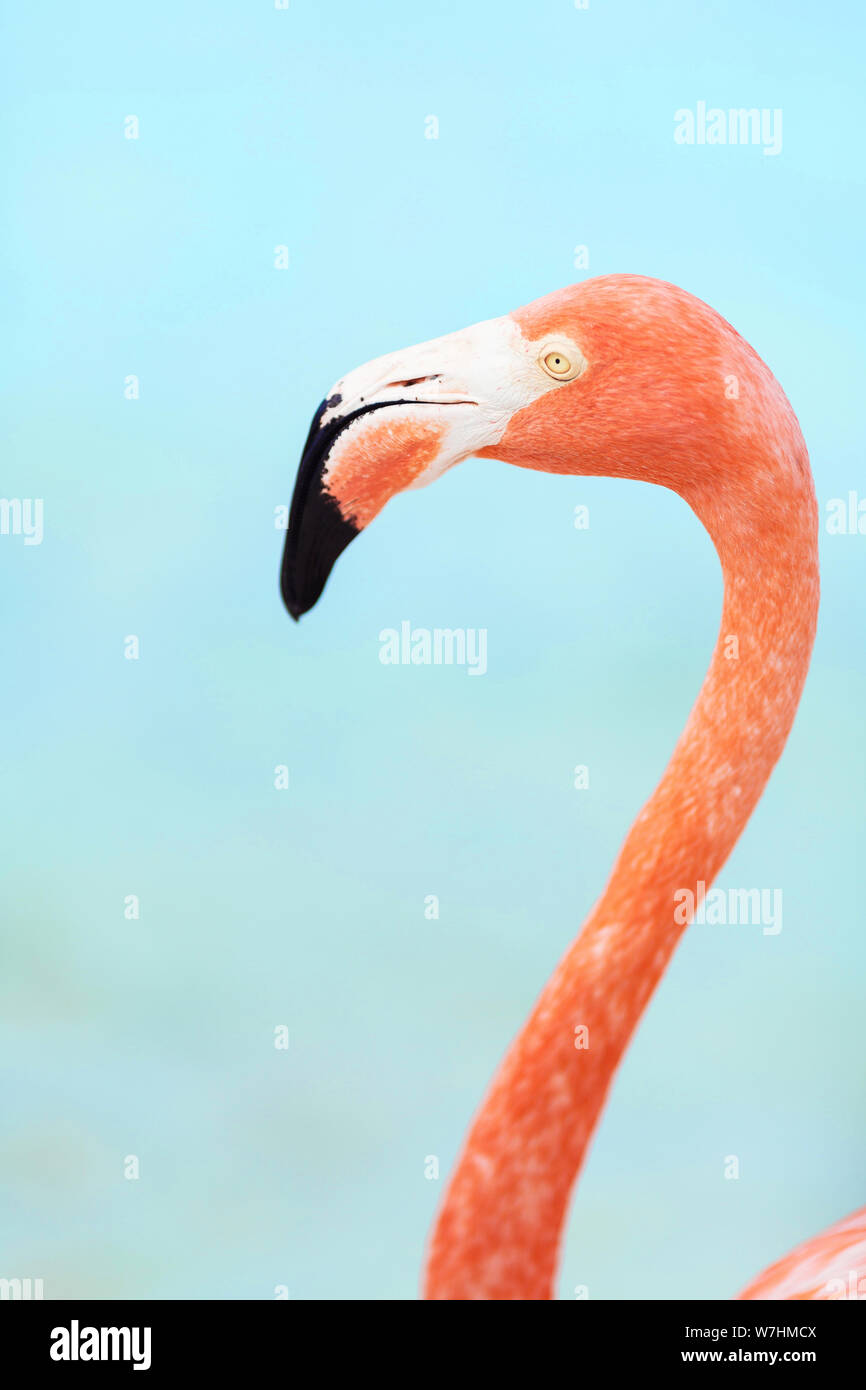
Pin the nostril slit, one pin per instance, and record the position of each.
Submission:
(415, 380)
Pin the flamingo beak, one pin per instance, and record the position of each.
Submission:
(348, 470)
(397, 423)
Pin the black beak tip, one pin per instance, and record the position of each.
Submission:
(318, 532)
(294, 605)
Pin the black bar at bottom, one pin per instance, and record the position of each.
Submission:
(70, 1337)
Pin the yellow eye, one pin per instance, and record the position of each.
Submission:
(556, 364)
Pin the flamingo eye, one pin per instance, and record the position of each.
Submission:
(559, 364)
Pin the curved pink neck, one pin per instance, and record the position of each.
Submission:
(498, 1231)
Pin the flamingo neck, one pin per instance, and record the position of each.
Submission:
(498, 1231)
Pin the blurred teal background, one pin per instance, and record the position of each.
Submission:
(305, 127)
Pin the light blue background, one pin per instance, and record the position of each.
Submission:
(305, 127)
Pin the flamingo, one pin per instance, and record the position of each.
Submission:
(628, 377)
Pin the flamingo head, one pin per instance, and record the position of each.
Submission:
(623, 375)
